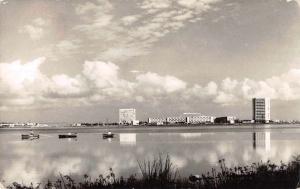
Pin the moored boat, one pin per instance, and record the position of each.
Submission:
(108, 135)
(68, 135)
(31, 136)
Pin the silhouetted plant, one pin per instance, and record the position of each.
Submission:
(161, 173)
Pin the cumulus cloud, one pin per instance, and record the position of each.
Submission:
(153, 83)
(3, 2)
(15, 77)
(25, 86)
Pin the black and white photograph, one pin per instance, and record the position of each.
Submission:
(149, 94)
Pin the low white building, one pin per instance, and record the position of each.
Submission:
(157, 121)
(187, 118)
(135, 122)
(179, 119)
(200, 119)
(196, 118)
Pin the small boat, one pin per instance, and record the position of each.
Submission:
(30, 136)
(69, 135)
(108, 135)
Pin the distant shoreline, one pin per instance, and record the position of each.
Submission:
(168, 128)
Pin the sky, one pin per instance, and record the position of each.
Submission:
(75, 61)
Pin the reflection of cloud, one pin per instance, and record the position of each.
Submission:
(224, 148)
(179, 162)
(127, 138)
(28, 162)
(22, 171)
(34, 162)
(1, 185)
(246, 156)
(68, 165)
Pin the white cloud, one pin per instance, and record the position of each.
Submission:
(112, 37)
(24, 85)
(65, 86)
(40, 22)
(185, 16)
(298, 1)
(135, 71)
(128, 20)
(36, 29)
(34, 32)
(3, 2)
(152, 83)
(15, 77)
(154, 5)
(199, 5)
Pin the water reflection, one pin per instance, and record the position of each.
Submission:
(190, 135)
(262, 140)
(127, 139)
(192, 153)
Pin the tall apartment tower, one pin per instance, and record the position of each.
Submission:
(261, 110)
(127, 116)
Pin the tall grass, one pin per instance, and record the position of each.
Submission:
(161, 173)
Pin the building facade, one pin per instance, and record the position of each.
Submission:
(186, 118)
(261, 108)
(127, 116)
(226, 119)
(177, 119)
(200, 119)
(157, 121)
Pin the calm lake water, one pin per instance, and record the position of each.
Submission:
(192, 150)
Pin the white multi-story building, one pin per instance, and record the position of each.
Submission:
(187, 118)
(179, 119)
(261, 110)
(157, 121)
(200, 119)
(127, 116)
(196, 118)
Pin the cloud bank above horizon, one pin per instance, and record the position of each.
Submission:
(26, 86)
(205, 56)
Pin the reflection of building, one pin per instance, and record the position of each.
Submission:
(127, 116)
(127, 138)
(227, 119)
(261, 110)
(262, 140)
(190, 135)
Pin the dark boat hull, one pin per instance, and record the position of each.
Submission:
(108, 135)
(67, 136)
(24, 137)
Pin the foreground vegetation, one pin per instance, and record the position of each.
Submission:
(160, 173)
